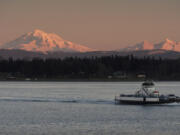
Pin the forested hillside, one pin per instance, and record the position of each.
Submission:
(108, 68)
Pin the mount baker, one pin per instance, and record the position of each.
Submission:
(39, 41)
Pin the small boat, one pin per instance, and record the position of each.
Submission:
(146, 95)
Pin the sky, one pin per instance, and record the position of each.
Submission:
(98, 24)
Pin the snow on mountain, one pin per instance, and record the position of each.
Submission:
(145, 45)
(44, 42)
(164, 45)
(168, 45)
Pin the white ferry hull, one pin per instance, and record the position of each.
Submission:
(142, 100)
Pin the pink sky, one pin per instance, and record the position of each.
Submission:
(100, 24)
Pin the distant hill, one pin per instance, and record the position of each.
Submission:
(22, 54)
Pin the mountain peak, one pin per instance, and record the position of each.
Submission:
(37, 33)
(41, 41)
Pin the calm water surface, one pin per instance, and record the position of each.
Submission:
(83, 108)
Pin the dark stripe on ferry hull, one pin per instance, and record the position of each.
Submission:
(141, 102)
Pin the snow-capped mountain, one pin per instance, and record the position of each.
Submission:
(164, 45)
(40, 41)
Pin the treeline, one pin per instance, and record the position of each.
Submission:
(110, 67)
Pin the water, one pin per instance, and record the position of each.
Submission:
(83, 108)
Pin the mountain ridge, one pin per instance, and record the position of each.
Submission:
(146, 45)
(50, 45)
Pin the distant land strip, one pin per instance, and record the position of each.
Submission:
(106, 68)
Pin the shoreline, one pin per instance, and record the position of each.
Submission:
(85, 80)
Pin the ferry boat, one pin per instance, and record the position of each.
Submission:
(146, 95)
